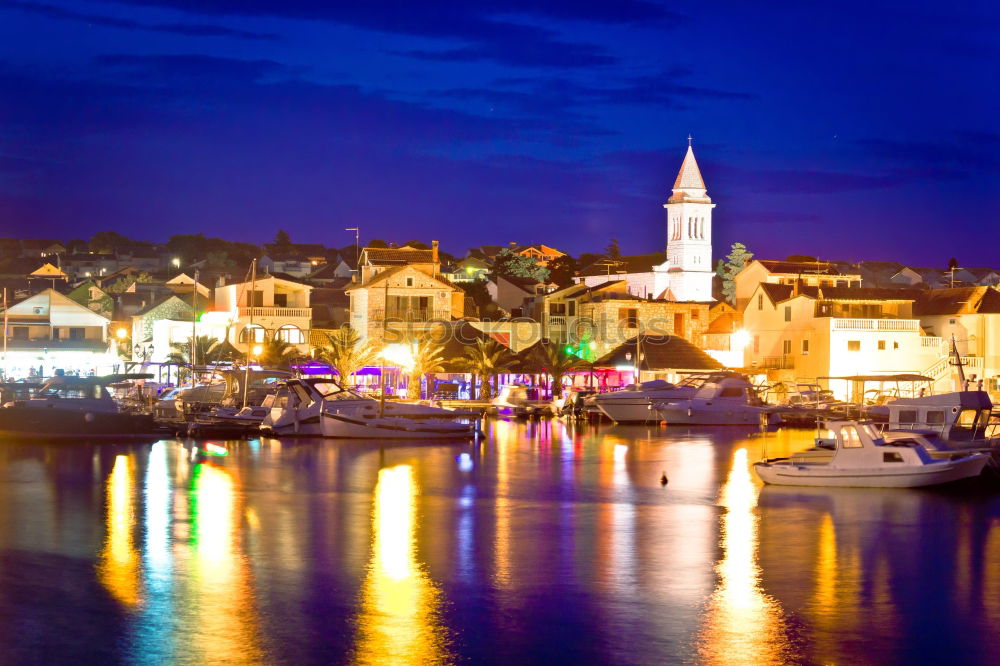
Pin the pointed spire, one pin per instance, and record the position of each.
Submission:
(689, 177)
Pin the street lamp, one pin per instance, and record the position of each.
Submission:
(176, 262)
(357, 246)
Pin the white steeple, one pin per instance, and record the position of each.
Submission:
(688, 269)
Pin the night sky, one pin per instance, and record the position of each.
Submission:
(842, 130)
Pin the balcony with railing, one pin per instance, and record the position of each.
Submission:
(783, 362)
(876, 325)
(275, 313)
(400, 315)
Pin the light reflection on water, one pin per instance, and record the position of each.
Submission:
(119, 561)
(545, 542)
(743, 624)
(398, 617)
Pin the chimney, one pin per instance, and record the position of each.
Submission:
(434, 251)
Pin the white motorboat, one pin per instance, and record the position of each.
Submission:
(632, 404)
(726, 400)
(858, 456)
(322, 408)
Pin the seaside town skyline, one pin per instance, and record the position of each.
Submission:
(522, 332)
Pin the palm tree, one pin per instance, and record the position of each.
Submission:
(276, 353)
(486, 359)
(347, 353)
(557, 362)
(427, 359)
(208, 350)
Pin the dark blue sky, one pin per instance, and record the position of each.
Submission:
(852, 130)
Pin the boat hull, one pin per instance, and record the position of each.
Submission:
(786, 473)
(48, 423)
(628, 411)
(356, 426)
(700, 416)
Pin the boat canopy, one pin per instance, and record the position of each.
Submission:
(905, 377)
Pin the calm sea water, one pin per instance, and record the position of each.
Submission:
(544, 543)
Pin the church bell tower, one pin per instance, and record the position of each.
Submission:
(689, 267)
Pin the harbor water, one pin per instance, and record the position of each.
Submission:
(542, 542)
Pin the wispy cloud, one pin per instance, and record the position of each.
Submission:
(504, 32)
(189, 29)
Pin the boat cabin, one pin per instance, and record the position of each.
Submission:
(956, 416)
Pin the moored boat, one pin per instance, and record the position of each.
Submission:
(727, 400)
(78, 407)
(858, 456)
(322, 408)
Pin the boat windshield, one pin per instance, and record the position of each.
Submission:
(75, 392)
(693, 381)
(334, 391)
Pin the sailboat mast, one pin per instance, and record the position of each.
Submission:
(5, 373)
(194, 326)
(252, 337)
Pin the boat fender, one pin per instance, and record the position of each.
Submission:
(690, 412)
(663, 479)
(88, 417)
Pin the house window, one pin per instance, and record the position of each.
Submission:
(695, 315)
(291, 334)
(409, 282)
(895, 345)
(39, 311)
(760, 301)
(786, 347)
(788, 313)
(255, 299)
(20, 332)
(572, 308)
(881, 345)
(77, 333)
(805, 346)
(628, 318)
(281, 300)
(556, 309)
(252, 333)
(854, 345)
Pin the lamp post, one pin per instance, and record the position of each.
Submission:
(357, 246)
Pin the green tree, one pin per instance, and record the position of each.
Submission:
(282, 243)
(486, 359)
(427, 359)
(347, 353)
(219, 260)
(121, 285)
(375, 243)
(105, 242)
(277, 354)
(208, 350)
(557, 363)
(612, 251)
(562, 270)
(510, 264)
(738, 257)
